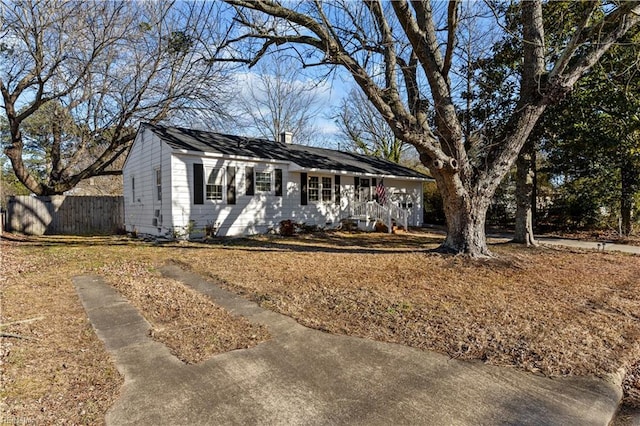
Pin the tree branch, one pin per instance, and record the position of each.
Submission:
(452, 21)
(596, 39)
(421, 34)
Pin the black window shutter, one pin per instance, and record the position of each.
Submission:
(231, 185)
(336, 188)
(279, 182)
(248, 179)
(356, 184)
(198, 184)
(303, 189)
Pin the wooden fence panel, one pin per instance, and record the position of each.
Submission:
(61, 214)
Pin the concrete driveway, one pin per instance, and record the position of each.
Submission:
(304, 376)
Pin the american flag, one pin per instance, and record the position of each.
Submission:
(381, 193)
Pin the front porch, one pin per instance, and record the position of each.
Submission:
(371, 212)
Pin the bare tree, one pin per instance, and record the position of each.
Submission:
(364, 129)
(100, 68)
(401, 54)
(278, 99)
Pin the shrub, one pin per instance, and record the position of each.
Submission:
(287, 228)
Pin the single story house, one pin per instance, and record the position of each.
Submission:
(180, 182)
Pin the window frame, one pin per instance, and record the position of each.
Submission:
(220, 178)
(158, 173)
(313, 193)
(258, 182)
(324, 191)
(324, 187)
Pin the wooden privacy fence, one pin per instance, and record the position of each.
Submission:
(62, 214)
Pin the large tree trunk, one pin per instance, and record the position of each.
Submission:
(466, 231)
(465, 215)
(525, 173)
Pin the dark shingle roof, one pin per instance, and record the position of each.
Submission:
(304, 156)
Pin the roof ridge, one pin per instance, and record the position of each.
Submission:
(229, 135)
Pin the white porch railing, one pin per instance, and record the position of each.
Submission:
(387, 213)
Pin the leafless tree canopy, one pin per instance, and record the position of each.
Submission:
(104, 66)
(279, 99)
(406, 58)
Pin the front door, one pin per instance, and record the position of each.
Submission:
(365, 190)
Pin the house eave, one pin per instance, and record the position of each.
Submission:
(295, 168)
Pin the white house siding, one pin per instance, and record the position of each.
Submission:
(262, 212)
(144, 213)
(251, 214)
(320, 213)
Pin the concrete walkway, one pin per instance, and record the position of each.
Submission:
(304, 376)
(600, 246)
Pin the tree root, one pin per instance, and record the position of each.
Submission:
(445, 249)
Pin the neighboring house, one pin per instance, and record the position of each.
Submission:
(180, 181)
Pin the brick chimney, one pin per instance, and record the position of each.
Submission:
(286, 137)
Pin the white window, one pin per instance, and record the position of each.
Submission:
(263, 181)
(214, 184)
(158, 184)
(326, 189)
(320, 188)
(314, 188)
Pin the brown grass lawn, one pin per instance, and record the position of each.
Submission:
(551, 311)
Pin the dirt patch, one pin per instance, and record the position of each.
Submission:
(193, 328)
(631, 386)
(55, 369)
